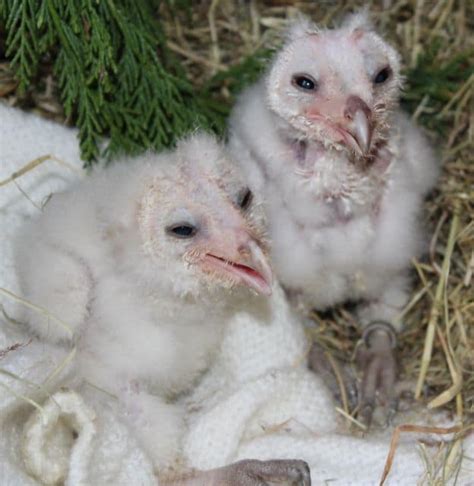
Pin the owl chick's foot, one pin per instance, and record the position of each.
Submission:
(376, 357)
(337, 376)
(249, 472)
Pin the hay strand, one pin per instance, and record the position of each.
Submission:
(33, 164)
(37, 308)
(23, 397)
(436, 306)
(419, 429)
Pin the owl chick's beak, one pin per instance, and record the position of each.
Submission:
(352, 125)
(249, 267)
(358, 125)
(361, 131)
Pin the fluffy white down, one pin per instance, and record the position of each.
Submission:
(338, 232)
(145, 323)
(256, 401)
(108, 453)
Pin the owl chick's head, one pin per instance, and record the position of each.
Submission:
(200, 227)
(336, 86)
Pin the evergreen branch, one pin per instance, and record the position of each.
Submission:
(113, 82)
(22, 38)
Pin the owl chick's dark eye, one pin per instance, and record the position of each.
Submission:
(245, 199)
(182, 230)
(304, 81)
(382, 75)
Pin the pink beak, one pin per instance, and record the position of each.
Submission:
(250, 268)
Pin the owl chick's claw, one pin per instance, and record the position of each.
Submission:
(376, 357)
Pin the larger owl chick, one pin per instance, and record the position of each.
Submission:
(144, 262)
(343, 173)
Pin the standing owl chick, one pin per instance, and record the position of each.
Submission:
(145, 262)
(343, 173)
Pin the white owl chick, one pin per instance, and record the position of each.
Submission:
(343, 173)
(145, 261)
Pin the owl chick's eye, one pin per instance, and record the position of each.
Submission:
(304, 81)
(382, 75)
(245, 199)
(182, 230)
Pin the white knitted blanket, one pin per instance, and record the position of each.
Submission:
(257, 401)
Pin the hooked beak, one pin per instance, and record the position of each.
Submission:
(361, 133)
(251, 269)
(358, 127)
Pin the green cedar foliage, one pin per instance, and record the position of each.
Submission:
(115, 76)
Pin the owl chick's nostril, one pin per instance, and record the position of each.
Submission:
(354, 104)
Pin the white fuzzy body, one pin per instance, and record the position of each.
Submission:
(339, 231)
(145, 322)
(72, 262)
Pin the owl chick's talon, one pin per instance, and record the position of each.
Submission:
(376, 358)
